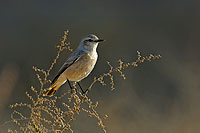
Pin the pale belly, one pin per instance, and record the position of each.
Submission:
(80, 69)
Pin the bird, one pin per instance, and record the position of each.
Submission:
(78, 65)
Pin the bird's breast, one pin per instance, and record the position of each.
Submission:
(81, 68)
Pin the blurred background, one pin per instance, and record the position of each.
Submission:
(157, 97)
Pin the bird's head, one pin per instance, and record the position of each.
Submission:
(90, 42)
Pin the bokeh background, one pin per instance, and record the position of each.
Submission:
(158, 97)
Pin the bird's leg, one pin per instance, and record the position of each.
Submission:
(70, 85)
(82, 88)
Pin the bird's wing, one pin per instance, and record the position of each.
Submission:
(71, 60)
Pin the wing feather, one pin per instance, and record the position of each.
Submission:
(71, 60)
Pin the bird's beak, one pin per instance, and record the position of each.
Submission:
(100, 40)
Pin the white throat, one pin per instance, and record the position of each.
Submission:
(89, 48)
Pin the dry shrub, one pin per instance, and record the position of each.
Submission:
(45, 114)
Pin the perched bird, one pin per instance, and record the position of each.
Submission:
(78, 66)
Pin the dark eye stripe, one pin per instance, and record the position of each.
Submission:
(90, 40)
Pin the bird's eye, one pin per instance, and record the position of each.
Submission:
(90, 40)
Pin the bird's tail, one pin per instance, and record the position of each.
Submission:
(51, 91)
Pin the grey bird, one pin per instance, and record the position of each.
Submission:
(78, 66)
